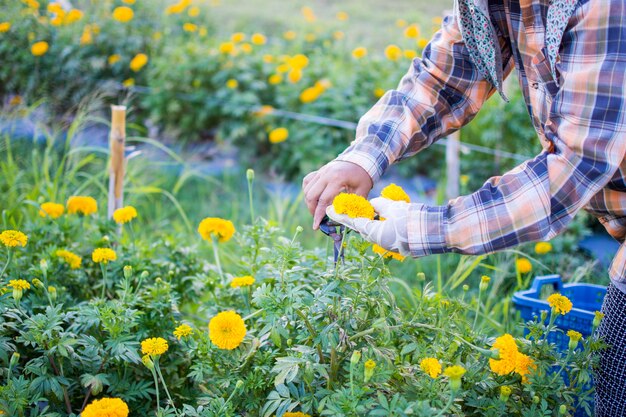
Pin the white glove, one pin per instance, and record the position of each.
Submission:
(390, 233)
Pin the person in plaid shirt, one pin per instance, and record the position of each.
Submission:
(570, 57)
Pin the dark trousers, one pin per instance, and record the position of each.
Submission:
(610, 378)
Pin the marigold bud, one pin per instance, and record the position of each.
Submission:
(368, 370)
(144, 275)
(598, 316)
(147, 362)
(53, 293)
(544, 315)
(37, 283)
(562, 409)
(484, 282)
(43, 264)
(239, 384)
(250, 174)
(17, 294)
(128, 271)
(421, 277)
(356, 357)
(299, 229)
(536, 399)
(505, 393)
(465, 288)
(15, 358)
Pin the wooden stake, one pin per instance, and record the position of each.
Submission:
(117, 140)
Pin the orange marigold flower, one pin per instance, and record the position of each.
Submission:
(106, 407)
(123, 14)
(222, 229)
(227, 330)
(124, 214)
(81, 204)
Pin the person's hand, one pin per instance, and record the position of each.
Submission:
(322, 186)
(390, 233)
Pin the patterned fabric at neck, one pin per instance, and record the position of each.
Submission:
(481, 40)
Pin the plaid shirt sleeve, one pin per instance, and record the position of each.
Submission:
(441, 92)
(536, 200)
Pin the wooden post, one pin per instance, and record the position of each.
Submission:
(117, 139)
(453, 165)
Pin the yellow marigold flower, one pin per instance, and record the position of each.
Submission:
(182, 331)
(177, 8)
(359, 52)
(275, 79)
(393, 52)
(19, 284)
(422, 43)
(294, 75)
(193, 11)
(296, 414)
(523, 265)
(343, 16)
(123, 14)
(13, 238)
(401, 23)
(113, 59)
(258, 39)
(246, 48)
(103, 255)
(431, 367)
(86, 38)
(238, 37)
(39, 48)
(190, 27)
(323, 84)
(379, 92)
(124, 214)
(232, 84)
(541, 248)
(222, 229)
(299, 61)
(387, 253)
(454, 372)
(310, 94)
(128, 1)
(138, 62)
(154, 346)
(574, 338)
(308, 14)
(505, 392)
(289, 35)
(52, 210)
(129, 82)
(409, 53)
(353, 205)
(81, 204)
(73, 15)
(560, 303)
(524, 365)
(508, 352)
(227, 330)
(106, 407)
(227, 48)
(368, 369)
(245, 281)
(282, 68)
(5, 27)
(71, 258)
(412, 31)
(597, 318)
(279, 135)
(395, 193)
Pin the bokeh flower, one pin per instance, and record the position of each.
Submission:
(353, 205)
(343, 16)
(412, 31)
(124, 214)
(182, 331)
(103, 255)
(310, 94)
(39, 48)
(258, 39)
(81, 204)
(244, 281)
(138, 62)
(123, 14)
(289, 35)
(222, 229)
(190, 27)
(227, 330)
(541, 248)
(431, 367)
(5, 27)
(154, 346)
(106, 407)
(395, 192)
(13, 238)
(393, 52)
(560, 303)
(523, 265)
(232, 84)
(70, 258)
(278, 135)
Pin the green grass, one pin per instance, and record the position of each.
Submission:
(371, 22)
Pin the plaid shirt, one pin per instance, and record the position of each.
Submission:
(578, 110)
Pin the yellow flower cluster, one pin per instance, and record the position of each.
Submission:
(510, 358)
(523, 265)
(311, 94)
(154, 346)
(106, 407)
(393, 52)
(71, 258)
(39, 48)
(178, 8)
(387, 253)
(278, 135)
(560, 303)
(123, 14)
(61, 17)
(182, 331)
(19, 284)
(541, 248)
(82, 204)
(211, 227)
(138, 62)
(454, 372)
(103, 255)
(13, 238)
(359, 52)
(245, 281)
(353, 205)
(124, 214)
(5, 27)
(52, 210)
(227, 330)
(296, 414)
(431, 367)
(395, 192)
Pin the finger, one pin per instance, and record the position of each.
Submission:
(313, 193)
(306, 181)
(326, 199)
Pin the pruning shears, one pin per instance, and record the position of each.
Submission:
(336, 232)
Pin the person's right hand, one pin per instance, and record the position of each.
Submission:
(322, 186)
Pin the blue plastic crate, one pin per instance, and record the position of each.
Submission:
(586, 299)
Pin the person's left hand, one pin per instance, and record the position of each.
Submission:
(390, 233)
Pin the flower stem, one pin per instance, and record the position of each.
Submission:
(480, 291)
(104, 279)
(251, 203)
(156, 388)
(9, 257)
(217, 258)
(448, 405)
(169, 397)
